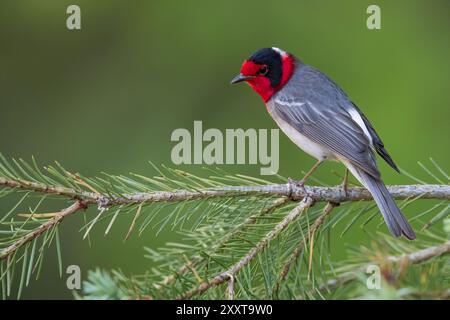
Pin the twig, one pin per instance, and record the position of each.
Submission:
(318, 194)
(423, 255)
(296, 253)
(436, 218)
(191, 267)
(43, 188)
(411, 258)
(225, 276)
(41, 229)
(230, 287)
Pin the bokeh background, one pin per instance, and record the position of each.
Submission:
(107, 97)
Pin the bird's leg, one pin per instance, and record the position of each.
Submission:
(344, 184)
(309, 173)
(301, 183)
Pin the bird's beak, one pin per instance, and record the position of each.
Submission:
(239, 78)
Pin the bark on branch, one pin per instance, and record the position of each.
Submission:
(318, 194)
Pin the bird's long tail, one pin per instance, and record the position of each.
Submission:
(394, 218)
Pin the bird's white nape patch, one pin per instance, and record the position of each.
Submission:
(357, 118)
(281, 52)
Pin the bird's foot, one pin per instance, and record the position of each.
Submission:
(344, 188)
(344, 184)
(298, 184)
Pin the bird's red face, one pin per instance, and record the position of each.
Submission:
(267, 71)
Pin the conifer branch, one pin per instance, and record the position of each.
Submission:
(228, 224)
(318, 194)
(289, 190)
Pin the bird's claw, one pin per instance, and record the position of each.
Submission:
(298, 184)
(344, 189)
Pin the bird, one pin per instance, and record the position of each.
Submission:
(321, 119)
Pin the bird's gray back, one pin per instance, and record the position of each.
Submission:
(316, 87)
(319, 109)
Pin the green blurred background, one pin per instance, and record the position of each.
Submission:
(107, 97)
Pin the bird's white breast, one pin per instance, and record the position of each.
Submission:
(317, 151)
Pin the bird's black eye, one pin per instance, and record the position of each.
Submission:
(263, 70)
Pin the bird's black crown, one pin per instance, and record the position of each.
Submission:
(272, 59)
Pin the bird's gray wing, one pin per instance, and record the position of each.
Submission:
(331, 127)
